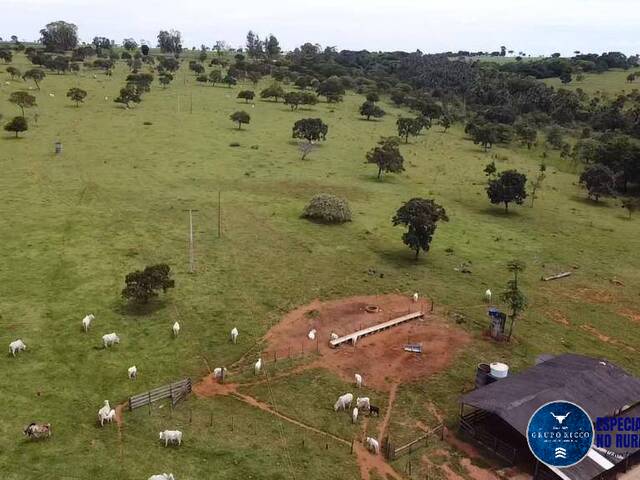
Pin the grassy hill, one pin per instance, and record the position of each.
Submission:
(116, 200)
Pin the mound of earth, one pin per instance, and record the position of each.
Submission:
(380, 357)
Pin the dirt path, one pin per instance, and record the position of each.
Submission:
(387, 415)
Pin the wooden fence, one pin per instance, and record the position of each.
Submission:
(391, 453)
(176, 391)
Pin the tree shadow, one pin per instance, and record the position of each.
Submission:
(404, 257)
(498, 211)
(138, 309)
(584, 200)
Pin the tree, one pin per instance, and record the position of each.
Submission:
(22, 100)
(631, 204)
(129, 94)
(409, 126)
(14, 72)
(599, 180)
(274, 91)
(141, 80)
(373, 97)
(526, 133)
(129, 44)
(35, 74)
(310, 129)
(445, 122)
(484, 134)
(197, 68)
(6, 55)
(229, 80)
(327, 208)
(332, 89)
(77, 95)
(240, 117)
(17, 125)
(292, 99)
(537, 183)
(101, 43)
(387, 157)
(246, 95)
(272, 47)
(202, 56)
(490, 169)
(144, 49)
(59, 36)
(215, 76)
(513, 296)
(565, 77)
(170, 41)
(509, 186)
(254, 45)
(369, 109)
(421, 217)
(142, 286)
(166, 78)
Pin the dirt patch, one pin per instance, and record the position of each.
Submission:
(210, 387)
(589, 295)
(605, 338)
(630, 314)
(558, 317)
(477, 473)
(380, 358)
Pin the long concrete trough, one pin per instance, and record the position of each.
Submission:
(353, 337)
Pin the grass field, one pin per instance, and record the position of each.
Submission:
(612, 82)
(115, 200)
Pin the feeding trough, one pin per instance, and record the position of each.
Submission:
(372, 309)
(413, 348)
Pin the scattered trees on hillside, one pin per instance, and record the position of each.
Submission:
(240, 117)
(599, 180)
(310, 129)
(59, 36)
(386, 156)
(17, 125)
(34, 74)
(247, 95)
(22, 100)
(507, 187)
(369, 109)
(421, 217)
(142, 286)
(77, 95)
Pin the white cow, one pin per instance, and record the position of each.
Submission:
(103, 413)
(176, 329)
(358, 380)
(52, 95)
(257, 367)
(109, 339)
(373, 445)
(163, 476)
(334, 336)
(415, 297)
(354, 415)
(343, 402)
(171, 436)
(132, 372)
(86, 321)
(312, 334)
(363, 403)
(234, 335)
(219, 372)
(16, 346)
(487, 295)
(108, 417)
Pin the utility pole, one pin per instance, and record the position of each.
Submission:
(219, 215)
(191, 250)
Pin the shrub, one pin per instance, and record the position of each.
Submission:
(327, 208)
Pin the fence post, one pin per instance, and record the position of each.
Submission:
(149, 401)
(232, 423)
(352, 440)
(130, 409)
(190, 416)
(211, 420)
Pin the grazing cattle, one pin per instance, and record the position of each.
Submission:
(312, 334)
(104, 412)
(171, 436)
(372, 445)
(109, 417)
(36, 430)
(487, 295)
(234, 335)
(163, 476)
(354, 415)
(415, 297)
(176, 329)
(132, 372)
(257, 367)
(16, 346)
(358, 380)
(343, 402)
(51, 95)
(219, 372)
(110, 339)
(86, 321)
(373, 410)
(363, 403)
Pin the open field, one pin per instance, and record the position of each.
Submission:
(611, 82)
(114, 201)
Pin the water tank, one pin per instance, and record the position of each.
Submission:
(499, 370)
(482, 375)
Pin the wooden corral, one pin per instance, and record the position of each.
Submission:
(176, 391)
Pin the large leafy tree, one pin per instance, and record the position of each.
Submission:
(370, 109)
(170, 41)
(420, 216)
(386, 156)
(14, 72)
(409, 126)
(507, 187)
(142, 286)
(34, 74)
(77, 95)
(599, 180)
(6, 55)
(165, 78)
(129, 44)
(240, 117)
(332, 89)
(255, 47)
(246, 95)
(59, 36)
(17, 125)
(22, 100)
(274, 91)
(272, 47)
(129, 94)
(526, 133)
(310, 129)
